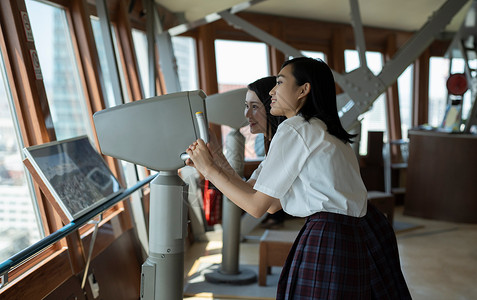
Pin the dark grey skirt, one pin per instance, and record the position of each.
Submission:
(342, 257)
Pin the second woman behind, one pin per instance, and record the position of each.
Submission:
(261, 121)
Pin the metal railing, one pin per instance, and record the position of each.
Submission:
(64, 231)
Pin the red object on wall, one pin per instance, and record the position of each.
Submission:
(457, 84)
(212, 204)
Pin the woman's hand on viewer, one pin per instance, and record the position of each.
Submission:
(200, 157)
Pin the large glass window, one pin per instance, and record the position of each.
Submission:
(19, 227)
(405, 90)
(438, 74)
(375, 118)
(140, 46)
(59, 70)
(131, 171)
(113, 97)
(238, 64)
(185, 53)
(103, 61)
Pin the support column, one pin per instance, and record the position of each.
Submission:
(162, 275)
(229, 271)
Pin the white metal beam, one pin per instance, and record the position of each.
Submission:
(211, 18)
(362, 93)
(157, 36)
(168, 62)
(358, 32)
(420, 40)
(235, 21)
(151, 47)
(361, 86)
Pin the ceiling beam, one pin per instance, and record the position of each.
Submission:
(177, 30)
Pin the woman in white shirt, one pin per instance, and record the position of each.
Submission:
(311, 171)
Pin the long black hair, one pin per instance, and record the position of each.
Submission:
(321, 101)
(262, 88)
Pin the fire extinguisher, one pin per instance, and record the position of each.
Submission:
(212, 204)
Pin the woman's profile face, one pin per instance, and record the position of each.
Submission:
(255, 113)
(287, 96)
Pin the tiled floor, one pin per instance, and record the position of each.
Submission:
(439, 259)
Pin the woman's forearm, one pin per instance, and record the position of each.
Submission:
(222, 162)
(239, 191)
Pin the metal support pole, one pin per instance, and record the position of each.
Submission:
(162, 274)
(168, 62)
(151, 45)
(167, 58)
(358, 32)
(90, 252)
(156, 36)
(229, 271)
(235, 145)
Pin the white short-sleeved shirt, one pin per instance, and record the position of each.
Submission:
(310, 171)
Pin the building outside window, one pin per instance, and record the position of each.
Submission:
(19, 225)
(59, 70)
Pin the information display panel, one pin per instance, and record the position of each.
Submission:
(74, 174)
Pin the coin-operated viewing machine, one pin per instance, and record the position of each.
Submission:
(154, 133)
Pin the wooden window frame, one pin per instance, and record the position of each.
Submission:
(32, 111)
(31, 108)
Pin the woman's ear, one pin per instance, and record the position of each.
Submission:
(305, 90)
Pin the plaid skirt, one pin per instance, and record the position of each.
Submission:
(342, 257)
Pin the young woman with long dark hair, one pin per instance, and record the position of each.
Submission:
(346, 249)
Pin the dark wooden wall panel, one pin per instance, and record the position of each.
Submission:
(117, 271)
(441, 177)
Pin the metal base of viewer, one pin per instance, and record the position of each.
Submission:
(245, 276)
(162, 275)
